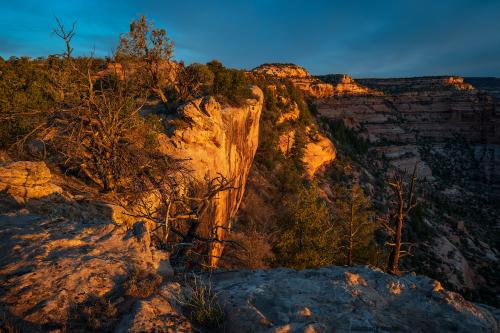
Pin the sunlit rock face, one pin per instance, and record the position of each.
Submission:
(344, 85)
(299, 76)
(323, 86)
(217, 140)
(319, 152)
(283, 71)
(345, 299)
(26, 180)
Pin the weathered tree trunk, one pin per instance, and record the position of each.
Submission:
(393, 262)
(162, 97)
(350, 245)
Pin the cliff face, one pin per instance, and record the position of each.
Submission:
(218, 140)
(344, 85)
(319, 152)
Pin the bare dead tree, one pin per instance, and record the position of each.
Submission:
(403, 187)
(98, 128)
(165, 194)
(66, 36)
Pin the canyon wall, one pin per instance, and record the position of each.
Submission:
(416, 111)
(452, 130)
(216, 140)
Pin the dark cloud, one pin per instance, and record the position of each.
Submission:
(363, 38)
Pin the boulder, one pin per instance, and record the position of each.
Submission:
(24, 180)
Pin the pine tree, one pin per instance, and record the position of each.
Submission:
(306, 232)
(354, 215)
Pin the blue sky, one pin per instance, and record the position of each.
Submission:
(364, 38)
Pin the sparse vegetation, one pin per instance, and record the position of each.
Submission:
(141, 283)
(97, 314)
(201, 303)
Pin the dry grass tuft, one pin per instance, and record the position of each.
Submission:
(200, 300)
(98, 313)
(141, 283)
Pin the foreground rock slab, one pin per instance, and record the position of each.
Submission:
(49, 268)
(337, 299)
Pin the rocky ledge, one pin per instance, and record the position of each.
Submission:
(345, 299)
(64, 275)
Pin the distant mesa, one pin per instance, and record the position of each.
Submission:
(419, 84)
(345, 85)
(319, 87)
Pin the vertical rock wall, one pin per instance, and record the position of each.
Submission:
(218, 140)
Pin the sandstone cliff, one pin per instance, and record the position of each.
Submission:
(414, 111)
(217, 140)
(319, 152)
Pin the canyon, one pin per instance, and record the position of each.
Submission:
(450, 130)
(62, 249)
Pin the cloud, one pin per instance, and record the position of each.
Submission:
(363, 38)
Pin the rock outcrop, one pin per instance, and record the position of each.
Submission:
(337, 299)
(283, 71)
(319, 87)
(343, 85)
(319, 152)
(52, 266)
(218, 140)
(26, 180)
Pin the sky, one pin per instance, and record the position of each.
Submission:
(363, 38)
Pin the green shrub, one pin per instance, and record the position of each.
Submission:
(28, 91)
(229, 85)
